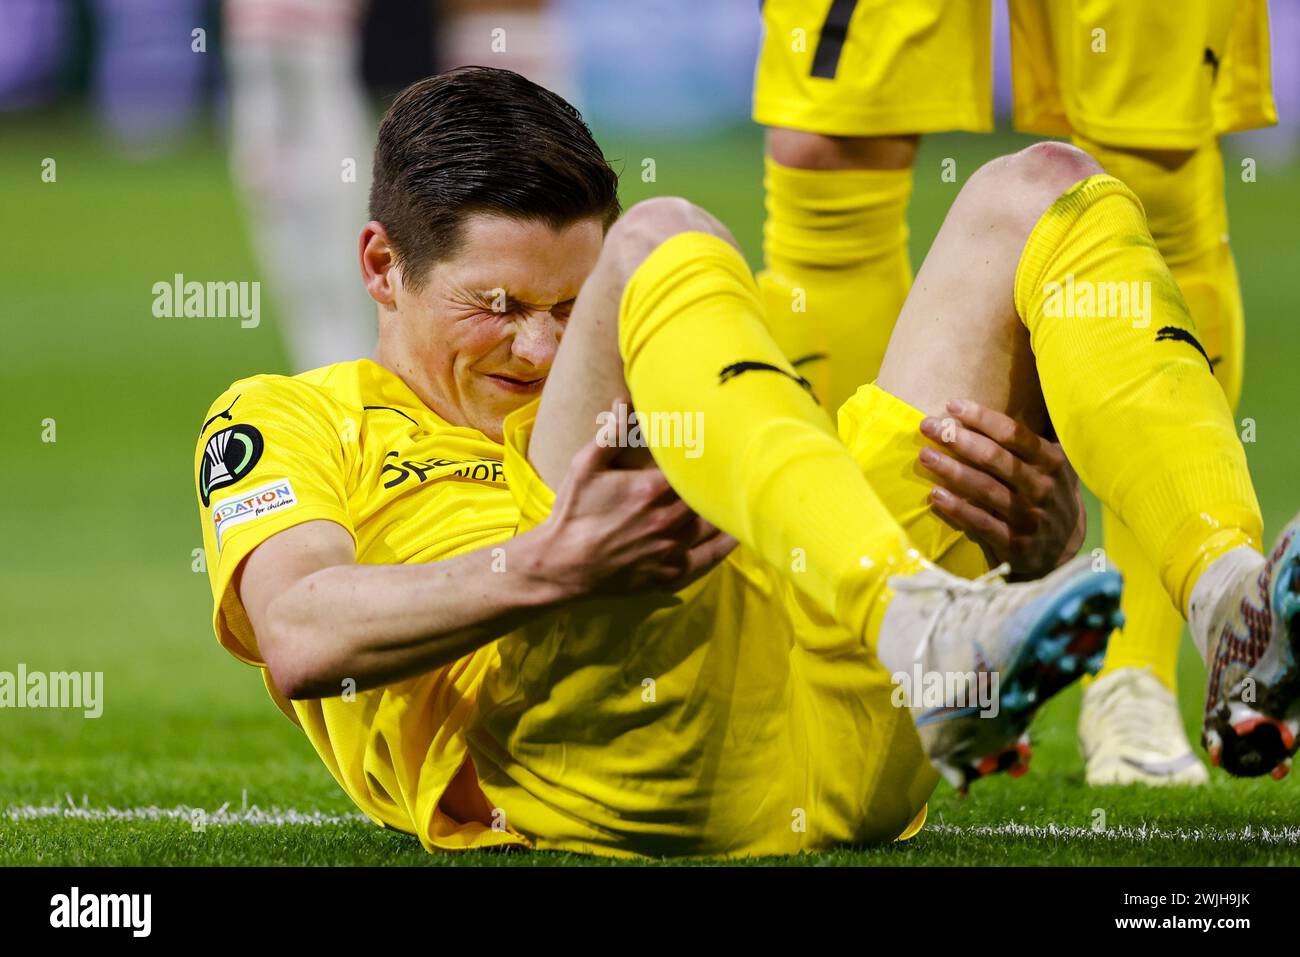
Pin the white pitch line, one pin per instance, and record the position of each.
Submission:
(254, 815)
(281, 817)
(1145, 833)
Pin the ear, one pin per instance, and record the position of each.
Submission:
(379, 269)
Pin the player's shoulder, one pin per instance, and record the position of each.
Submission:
(277, 418)
(327, 393)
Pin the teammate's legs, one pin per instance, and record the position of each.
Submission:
(845, 90)
(835, 252)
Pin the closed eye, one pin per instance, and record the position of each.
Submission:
(487, 307)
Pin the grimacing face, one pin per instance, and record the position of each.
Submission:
(477, 340)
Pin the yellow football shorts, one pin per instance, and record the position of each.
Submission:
(1135, 74)
(729, 719)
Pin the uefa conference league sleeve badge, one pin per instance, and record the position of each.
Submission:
(229, 456)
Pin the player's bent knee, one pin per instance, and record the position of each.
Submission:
(652, 222)
(1055, 165)
(1016, 190)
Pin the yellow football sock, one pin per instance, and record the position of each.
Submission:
(837, 270)
(1153, 627)
(1128, 386)
(770, 470)
(1187, 216)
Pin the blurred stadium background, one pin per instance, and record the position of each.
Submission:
(144, 138)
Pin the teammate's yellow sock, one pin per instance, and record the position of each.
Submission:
(837, 270)
(770, 469)
(1128, 386)
(1187, 216)
(1153, 627)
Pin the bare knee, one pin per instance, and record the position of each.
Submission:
(1016, 190)
(659, 218)
(799, 149)
(652, 222)
(1053, 166)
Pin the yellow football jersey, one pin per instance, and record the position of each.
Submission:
(692, 723)
(350, 443)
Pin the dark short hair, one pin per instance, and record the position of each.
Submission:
(479, 139)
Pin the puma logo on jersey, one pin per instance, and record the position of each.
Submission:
(224, 414)
(1212, 62)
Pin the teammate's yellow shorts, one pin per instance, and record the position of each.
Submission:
(1149, 75)
(731, 718)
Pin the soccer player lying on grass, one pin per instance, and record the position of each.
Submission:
(584, 669)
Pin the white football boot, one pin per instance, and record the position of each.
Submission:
(975, 659)
(1132, 733)
(1249, 621)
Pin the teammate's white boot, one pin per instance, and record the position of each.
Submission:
(975, 659)
(1245, 615)
(1131, 733)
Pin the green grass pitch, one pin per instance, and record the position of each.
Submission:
(100, 528)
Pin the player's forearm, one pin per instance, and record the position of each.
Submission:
(376, 624)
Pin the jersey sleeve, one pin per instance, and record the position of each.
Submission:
(270, 456)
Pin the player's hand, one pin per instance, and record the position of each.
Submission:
(619, 531)
(1010, 490)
